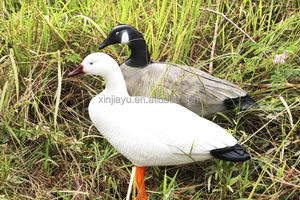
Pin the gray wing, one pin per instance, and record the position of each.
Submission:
(196, 90)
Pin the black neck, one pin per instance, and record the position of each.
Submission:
(140, 56)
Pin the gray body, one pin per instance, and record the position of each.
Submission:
(194, 89)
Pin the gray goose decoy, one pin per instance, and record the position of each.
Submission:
(194, 89)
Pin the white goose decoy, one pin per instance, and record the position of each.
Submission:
(194, 89)
(151, 132)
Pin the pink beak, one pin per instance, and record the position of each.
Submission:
(78, 70)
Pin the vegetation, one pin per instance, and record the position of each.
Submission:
(50, 149)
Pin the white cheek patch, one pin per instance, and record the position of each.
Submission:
(125, 38)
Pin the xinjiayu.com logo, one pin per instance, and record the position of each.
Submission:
(127, 100)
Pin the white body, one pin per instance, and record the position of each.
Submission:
(149, 134)
(152, 134)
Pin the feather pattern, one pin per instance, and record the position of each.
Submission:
(192, 88)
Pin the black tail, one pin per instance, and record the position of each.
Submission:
(235, 153)
(243, 103)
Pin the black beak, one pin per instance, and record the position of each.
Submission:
(78, 70)
(104, 44)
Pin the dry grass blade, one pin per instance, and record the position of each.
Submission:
(3, 91)
(58, 91)
(288, 110)
(15, 70)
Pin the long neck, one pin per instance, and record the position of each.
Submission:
(115, 83)
(140, 56)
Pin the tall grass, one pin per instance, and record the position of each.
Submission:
(50, 149)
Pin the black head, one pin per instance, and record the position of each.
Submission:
(122, 33)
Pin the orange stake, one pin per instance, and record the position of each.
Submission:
(139, 177)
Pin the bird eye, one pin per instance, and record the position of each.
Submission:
(117, 33)
(91, 63)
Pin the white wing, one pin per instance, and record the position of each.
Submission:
(159, 133)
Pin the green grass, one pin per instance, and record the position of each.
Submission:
(50, 149)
